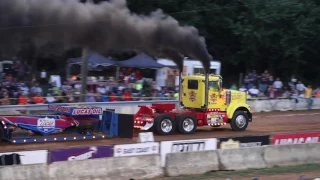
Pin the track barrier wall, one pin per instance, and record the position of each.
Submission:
(166, 158)
(131, 107)
(282, 104)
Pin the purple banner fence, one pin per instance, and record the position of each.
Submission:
(82, 153)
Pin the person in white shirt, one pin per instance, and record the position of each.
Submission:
(36, 89)
(25, 89)
(77, 86)
(254, 92)
(101, 89)
(243, 89)
(300, 87)
(293, 79)
(77, 91)
(50, 98)
(121, 87)
(66, 87)
(278, 85)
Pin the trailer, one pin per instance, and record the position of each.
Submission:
(203, 103)
(66, 123)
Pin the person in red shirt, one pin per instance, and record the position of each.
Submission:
(112, 97)
(272, 92)
(23, 99)
(138, 75)
(38, 99)
(129, 71)
(127, 96)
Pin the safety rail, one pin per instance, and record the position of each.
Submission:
(41, 107)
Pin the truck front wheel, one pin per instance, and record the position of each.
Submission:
(164, 124)
(239, 121)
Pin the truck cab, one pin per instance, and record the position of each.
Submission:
(193, 96)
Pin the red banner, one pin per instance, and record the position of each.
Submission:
(302, 138)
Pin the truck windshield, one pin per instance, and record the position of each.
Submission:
(214, 85)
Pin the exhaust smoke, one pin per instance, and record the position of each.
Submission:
(104, 26)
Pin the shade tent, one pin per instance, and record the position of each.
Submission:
(94, 60)
(142, 60)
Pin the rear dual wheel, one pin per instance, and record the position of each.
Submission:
(187, 124)
(164, 124)
(184, 124)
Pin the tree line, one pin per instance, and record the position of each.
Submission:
(281, 36)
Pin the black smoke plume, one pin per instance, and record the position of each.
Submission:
(104, 26)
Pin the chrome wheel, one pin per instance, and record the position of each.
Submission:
(166, 125)
(188, 125)
(241, 121)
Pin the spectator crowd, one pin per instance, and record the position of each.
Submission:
(17, 89)
(131, 86)
(265, 85)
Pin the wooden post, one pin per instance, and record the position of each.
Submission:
(84, 74)
(240, 79)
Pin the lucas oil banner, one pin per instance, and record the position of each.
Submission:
(82, 153)
(299, 138)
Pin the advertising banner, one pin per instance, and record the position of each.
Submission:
(244, 141)
(81, 153)
(298, 138)
(146, 137)
(136, 149)
(186, 146)
(23, 157)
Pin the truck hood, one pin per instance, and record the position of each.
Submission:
(237, 95)
(235, 92)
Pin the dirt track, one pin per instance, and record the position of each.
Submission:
(263, 124)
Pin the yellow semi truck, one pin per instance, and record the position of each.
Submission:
(203, 103)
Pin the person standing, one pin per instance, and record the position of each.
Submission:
(278, 85)
(43, 77)
(316, 92)
(308, 96)
(300, 87)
